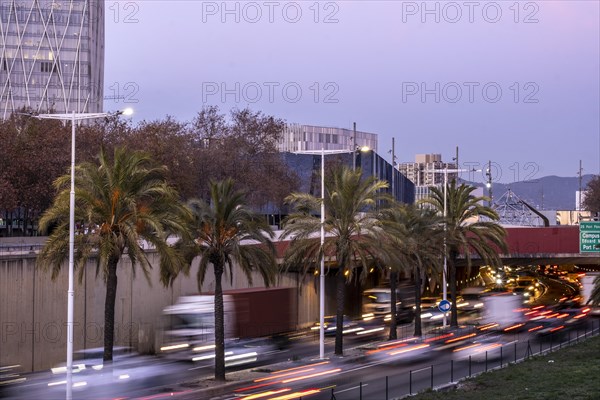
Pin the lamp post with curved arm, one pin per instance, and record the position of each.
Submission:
(322, 153)
(74, 117)
(445, 172)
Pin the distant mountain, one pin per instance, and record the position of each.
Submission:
(547, 193)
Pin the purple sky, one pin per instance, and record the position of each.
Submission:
(389, 66)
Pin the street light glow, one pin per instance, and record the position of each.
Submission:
(127, 112)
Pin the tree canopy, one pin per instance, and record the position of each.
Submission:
(591, 201)
(120, 202)
(213, 146)
(220, 231)
(351, 227)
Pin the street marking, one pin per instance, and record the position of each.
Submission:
(352, 388)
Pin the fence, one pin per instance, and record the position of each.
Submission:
(445, 373)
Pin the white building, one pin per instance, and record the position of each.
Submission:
(426, 172)
(579, 200)
(297, 137)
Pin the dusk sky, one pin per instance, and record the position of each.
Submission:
(517, 83)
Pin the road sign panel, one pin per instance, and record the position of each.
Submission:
(444, 306)
(589, 237)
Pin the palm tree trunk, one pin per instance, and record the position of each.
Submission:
(393, 286)
(339, 327)
(452, 267)
(418, 329)
(219, 325)
(109, 308)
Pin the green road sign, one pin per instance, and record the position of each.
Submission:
(589, 237)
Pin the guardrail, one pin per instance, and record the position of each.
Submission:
(19, 249)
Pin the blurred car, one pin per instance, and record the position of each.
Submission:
(480, 349)
(237, 352)
(377, 303)
(560, 321)
(409, 349)
(10, 377)
(448, 337)
(330, 325)
(429, 302)
(405, 315)
(472, 301)
(92, 378)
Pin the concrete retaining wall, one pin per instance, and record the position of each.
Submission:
(33, 308)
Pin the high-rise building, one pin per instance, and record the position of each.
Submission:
(297, 137)
(51, 56)
(427, 171)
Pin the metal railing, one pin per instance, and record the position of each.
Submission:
(439, 375)
(18, 249)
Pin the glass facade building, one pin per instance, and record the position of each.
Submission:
(308, 168)
(51, 56)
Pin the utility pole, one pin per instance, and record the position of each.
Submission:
(489, 182)
(354, 148)
(457, 165)
(579, 195)
(394, 167)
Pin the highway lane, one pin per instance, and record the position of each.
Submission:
(407, 374)
(406, 371)
(371, 371)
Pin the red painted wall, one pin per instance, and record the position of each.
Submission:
(557, 240)
(539, 240)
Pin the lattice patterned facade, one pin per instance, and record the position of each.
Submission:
(51, 56)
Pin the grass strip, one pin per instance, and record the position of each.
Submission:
(570, 373)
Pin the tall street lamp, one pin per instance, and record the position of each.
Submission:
(445, 171)
(488, 174)
(73, 117)
(322, 276)
(322, 268)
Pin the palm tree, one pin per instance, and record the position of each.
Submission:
(393, 334)
(350, 224)
(471, 229)
(120, 202)
(227, 233)
(416, 235)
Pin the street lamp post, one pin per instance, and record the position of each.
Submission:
(488, 174)
(322, 277)
(73, 117)
(354, 147)
(445, 171)
(322, 268)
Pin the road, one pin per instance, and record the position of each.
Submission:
(394, 377)
(373, 368)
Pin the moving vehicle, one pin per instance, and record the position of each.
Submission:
(587, 285)
(330, 325)
(250, 315)
(92, 378)
(503, 312)
(377, 301)
(472, 299)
